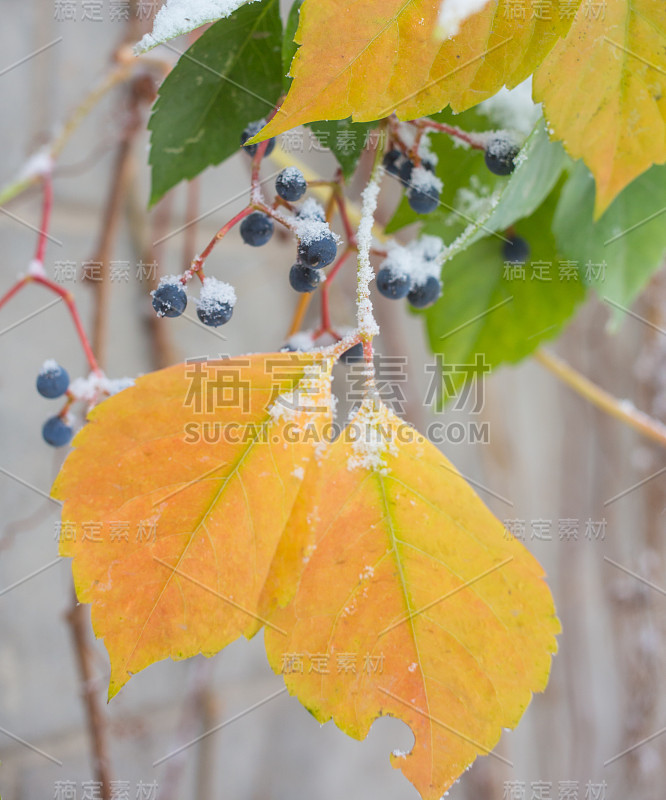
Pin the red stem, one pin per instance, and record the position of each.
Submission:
(471, 139)
(46, 218)
(71, 305)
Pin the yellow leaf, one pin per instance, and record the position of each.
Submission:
(414, 601)
(604, 91)
(372, 57)
(176, 496)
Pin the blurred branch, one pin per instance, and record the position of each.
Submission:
(623, 410)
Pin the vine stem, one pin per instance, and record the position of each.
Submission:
(622, 410)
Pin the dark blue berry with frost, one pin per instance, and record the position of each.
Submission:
(318, 252)
(425, 294)
(256, 229)
(215, 315)
(391, 161)
(53, 380)
(423, 200)
(500, 155)
(394, 285)
(516, 250)
(169, 299)
(252, 129)
(303, 278)
(290, 184)
(57, 432)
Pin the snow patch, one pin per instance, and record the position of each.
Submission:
(49, 366)
(513, 108)
(425, 181)
(214, 293)
(311, 229)
(298, 472)
(374, 433)
(452, 13)
(93, 388)
(418, 260)
(181, 16)
(38, 165)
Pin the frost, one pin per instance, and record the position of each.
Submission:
(425, 152)
(399, 754)
(424, 180)
(38, 165)
(49, 366)
(473, 201)
(513, 108)
(214, 293)
(181, 16)
(299, 473)
(452, 13)
(311, 229)
(301, 341)
(368, 572)
(374, 431)
(412, 667)
(36, 269)
(312, 209)
(366, 319)
(310, 397)
(418, 260)
(93, 388)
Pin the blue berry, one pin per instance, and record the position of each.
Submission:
(52, 380)
(426, 293)
(500, 155)
(516, 250)
(169, 300)
(215, 314)
(392, 284)
(391, 161)
(57, 432)
(354, 355)
(251, 130)
(290, 184)
(423, 201)
(303, 278)
(256, 229)
(318, 252)
(405, 171)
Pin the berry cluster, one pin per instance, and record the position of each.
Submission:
(53, 382)
(412, 271)
(422, 186)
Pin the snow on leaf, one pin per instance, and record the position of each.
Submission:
(604, 92)
(175, 498)
(373, 57)
(182, 16)
(442, 617)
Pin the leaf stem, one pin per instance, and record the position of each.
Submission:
(622, 410)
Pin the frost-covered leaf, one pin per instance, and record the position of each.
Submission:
(491, 313)
(230, 76)
(175, 498)
(176, 17)
(370, 58)
(604, 91)
(414, 601)
(621, 251)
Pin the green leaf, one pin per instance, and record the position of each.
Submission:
(169, 23)
(289, 46)
(475, 202)
(229, 77)
(489, 314)
(345, 139)
(622, 250)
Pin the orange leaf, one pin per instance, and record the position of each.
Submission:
(372, 57)
(604, 88)
(414, 601)
(176, 496)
